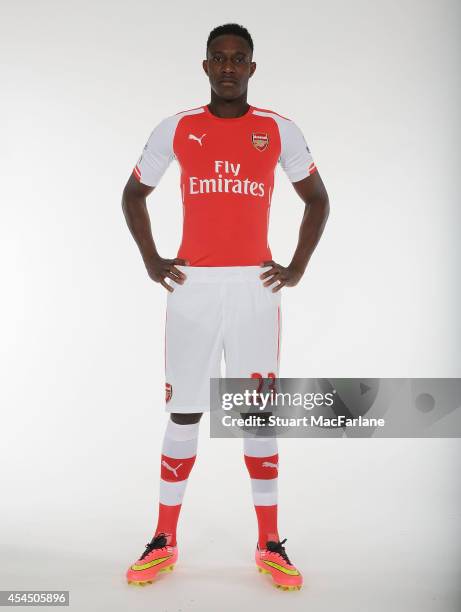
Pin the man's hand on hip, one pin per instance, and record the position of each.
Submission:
(159, 269)
(289, 276)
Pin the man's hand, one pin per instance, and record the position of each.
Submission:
(159, 269)
(289, 276)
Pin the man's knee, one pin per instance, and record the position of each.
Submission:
(186, 419)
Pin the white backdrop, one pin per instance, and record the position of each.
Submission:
(376, 89)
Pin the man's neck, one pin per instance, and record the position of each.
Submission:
(228, 109)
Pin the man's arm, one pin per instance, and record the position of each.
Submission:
(137, 217)
(313, 193)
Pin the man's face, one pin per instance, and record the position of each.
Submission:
(229, 66)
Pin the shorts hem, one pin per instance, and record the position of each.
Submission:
(186, 409)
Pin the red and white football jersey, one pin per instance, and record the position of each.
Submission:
(227, 178)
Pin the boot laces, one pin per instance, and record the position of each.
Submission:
(157, 542)
(277, 547)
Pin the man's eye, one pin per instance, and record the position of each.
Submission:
(217, 58)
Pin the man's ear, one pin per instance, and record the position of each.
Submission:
(205, 66)
(252, 68)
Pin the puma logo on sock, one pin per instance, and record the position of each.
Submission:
(172, 469)
(270, 465)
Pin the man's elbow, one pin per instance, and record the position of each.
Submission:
(321, 203)
(125, 199)
(130, 204)
(130, 200)
(326, 206)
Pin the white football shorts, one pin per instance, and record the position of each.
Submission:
(216, 310)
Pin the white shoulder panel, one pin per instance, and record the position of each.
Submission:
(158, 150)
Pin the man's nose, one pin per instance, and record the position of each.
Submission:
(228, 66)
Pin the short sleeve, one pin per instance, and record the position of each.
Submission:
(157, 154)
(295, 156)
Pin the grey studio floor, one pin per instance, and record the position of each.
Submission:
(374, 525)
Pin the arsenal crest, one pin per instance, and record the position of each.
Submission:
(168, 392)
(260, 140)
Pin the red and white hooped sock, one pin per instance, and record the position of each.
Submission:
(178, 457)
(261, 459)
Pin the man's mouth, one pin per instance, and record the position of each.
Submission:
(228, 80)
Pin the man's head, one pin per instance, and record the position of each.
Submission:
(228, 64)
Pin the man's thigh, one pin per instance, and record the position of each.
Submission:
(252, 331)
(193, 346)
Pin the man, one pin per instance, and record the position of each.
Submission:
(219, 297)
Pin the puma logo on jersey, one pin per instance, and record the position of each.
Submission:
(172, 469)
(197, 138)
(269, 464)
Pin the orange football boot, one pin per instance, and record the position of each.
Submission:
(274, 560)
(159, 556)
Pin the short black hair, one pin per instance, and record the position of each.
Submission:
(230, 28)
